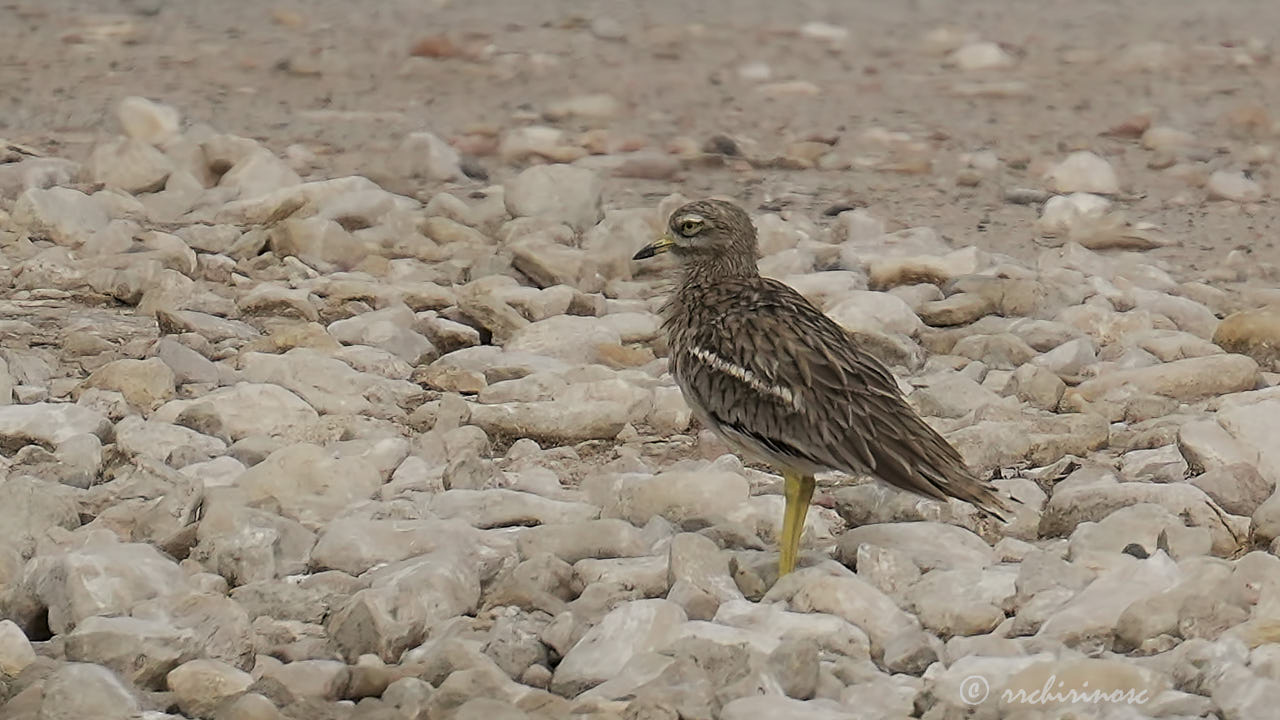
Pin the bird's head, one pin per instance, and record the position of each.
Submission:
(708, 232)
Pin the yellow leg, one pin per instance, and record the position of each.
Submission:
(798, 491)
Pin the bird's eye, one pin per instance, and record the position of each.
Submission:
(689, 228)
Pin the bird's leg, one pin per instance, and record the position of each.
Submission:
(798, 491)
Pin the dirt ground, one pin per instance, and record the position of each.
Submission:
(339, 78)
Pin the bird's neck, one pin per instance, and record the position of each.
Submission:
(705, 272)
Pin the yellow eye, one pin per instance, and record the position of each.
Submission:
(689, 228)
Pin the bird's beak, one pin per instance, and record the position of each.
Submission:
(657, 247)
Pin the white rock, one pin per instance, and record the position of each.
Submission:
(1189, 379)
(328, 385)
(631, 628)
(82, 690)
(557, 192)
(1083, 171)
(606, 538)
(1094, 612)
(140, 650)
(48, 424)
(696, 499)
(570, 338)
(38, 173)
(318, 678)
(242, 410)
(143, 383)
(150, 122)
(218, 472)
(594, 107)
(825, 32)
(130, 165)
(247, 545)
(612, 242)
(981, 56)
(829, 632)
(556, 420)
(283, 202)
(309, 484)
(1227, 185)
(65, 216)
(426, 155)
(1061, 213)
(500, 507)
(521, 144)
(1251, 424)
(699, 575)
(15, 650)
(157, 440)
(199, 685)
(402, 600)
(755, 71)
(355, 545)
(1242, 694)
(929, 544)
(1161, 137)
(890, 312)
(963, 602)
(846, 596)
(388, 329)
(101, 577)
(258, 174)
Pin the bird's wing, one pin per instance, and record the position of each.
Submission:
(778, 369)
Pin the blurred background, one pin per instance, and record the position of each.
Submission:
(872, 104)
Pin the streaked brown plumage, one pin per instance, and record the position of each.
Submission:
(784, 383)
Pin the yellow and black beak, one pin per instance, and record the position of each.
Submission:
(657, 247)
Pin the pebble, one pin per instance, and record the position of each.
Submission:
(80, 690)
(981, 56)
(605, 538)
(959, 309)
(240, 411)
(1068, 507)
(1063, 213)
(1163, 138)
(145, 384)
(691, 500)
(426, 155)
(1186, 380)
(630, 629)
(1083, 172)
(16, 652)
(130, 165)
(151, 122)
(1238, 489)
(201, 685)
(1234, 186)
(594, 108)
(855, 600)
(1255, 333)
(699, 576)
(308, 483)
(65, 216)
(557, 192)
(1095, 611)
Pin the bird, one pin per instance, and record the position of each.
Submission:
(786, 385)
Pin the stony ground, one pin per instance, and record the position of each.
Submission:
(328, 390)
